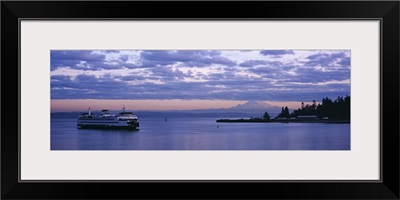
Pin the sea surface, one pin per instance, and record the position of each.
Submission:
(201, 134)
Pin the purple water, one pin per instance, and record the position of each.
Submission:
(201, 134)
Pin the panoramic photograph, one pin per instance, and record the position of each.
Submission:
(200, 99)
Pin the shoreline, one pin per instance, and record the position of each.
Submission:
(327, 121)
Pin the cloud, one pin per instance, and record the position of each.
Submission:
(200, 74)
(190, 58)
(111, 51)
(276, 53)
(130, 78)
(345, 61)
(312, 75)
(167, 73)
(88, 60)
(171, 56)
(252, 63)
(266, 70)
(88, 86)
(222, 60)
(124, 58)
(328, 60)
(76, 55)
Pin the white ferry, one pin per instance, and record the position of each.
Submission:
(107, 120)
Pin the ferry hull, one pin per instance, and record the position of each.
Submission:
(108, 127)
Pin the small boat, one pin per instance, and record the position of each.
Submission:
(107, 120)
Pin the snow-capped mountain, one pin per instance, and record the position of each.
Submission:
(251, 105)
(256, 108)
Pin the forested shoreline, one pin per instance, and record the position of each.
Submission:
(331, 109)
(328, 111)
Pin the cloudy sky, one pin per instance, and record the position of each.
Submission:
(200, 76)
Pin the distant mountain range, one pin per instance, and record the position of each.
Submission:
(246, 110)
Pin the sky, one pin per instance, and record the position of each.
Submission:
(195, 79)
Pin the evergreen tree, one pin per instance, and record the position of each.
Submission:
(266, 116)
(314, 105)
(286, 113)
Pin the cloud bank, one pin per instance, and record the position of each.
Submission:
(271, 75)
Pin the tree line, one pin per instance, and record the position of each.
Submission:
(332, 109)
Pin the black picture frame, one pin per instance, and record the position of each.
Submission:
(386, 11)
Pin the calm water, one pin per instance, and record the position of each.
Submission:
(202, 134)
